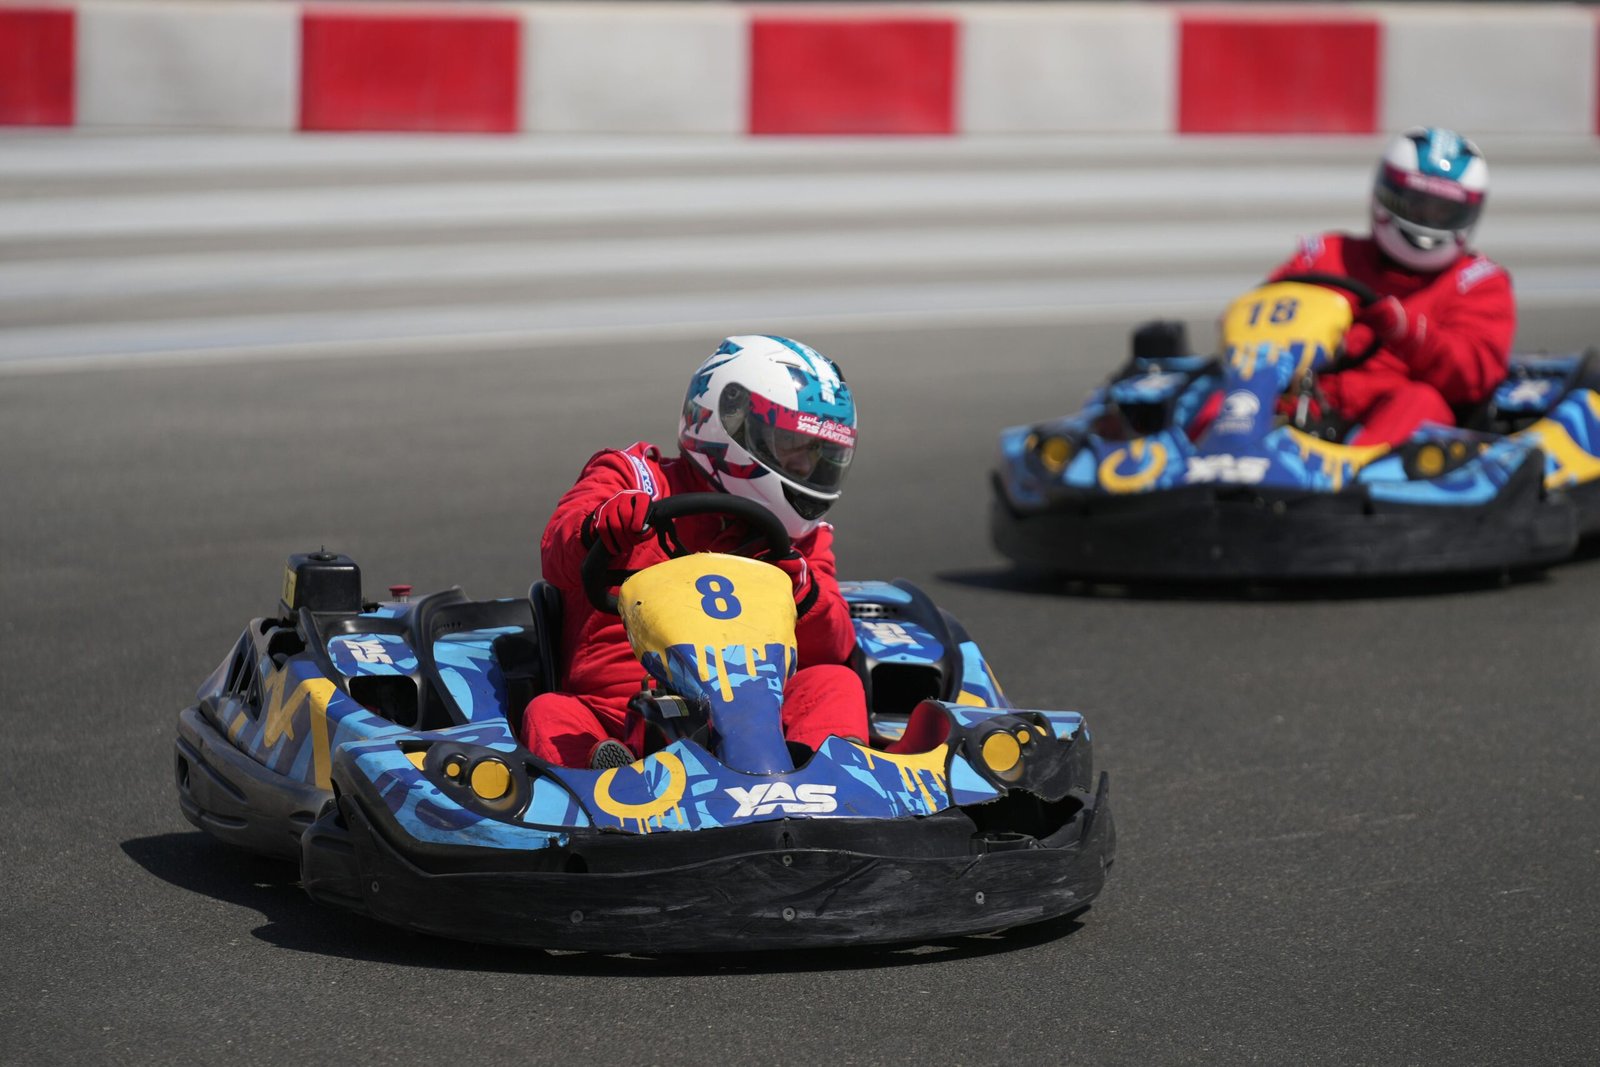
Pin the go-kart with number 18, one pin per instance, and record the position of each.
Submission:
(1120, 491)
(373, 743)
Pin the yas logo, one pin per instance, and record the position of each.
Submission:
(889, 633)
(1233, 470)
(769, 797)
(368, 652)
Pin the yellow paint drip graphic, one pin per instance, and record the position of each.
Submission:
(281, 711)
(1573, 465)
(920, 772)
(665, 606)
(651, 810)
(1338, 461)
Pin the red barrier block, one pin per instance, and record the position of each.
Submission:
(1268, 75)
(361, 71)
(36, 66)
(817, 75)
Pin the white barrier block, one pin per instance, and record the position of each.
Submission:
(630, 68)
(1528, 69)
(1084, 69)
(189, 64)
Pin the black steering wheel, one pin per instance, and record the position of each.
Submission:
(599, 576)
(1365, 298)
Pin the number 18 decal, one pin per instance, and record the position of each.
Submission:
(1283, 311)
(717, 600)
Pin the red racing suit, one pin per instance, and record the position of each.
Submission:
(599, 673)
(1457, 346)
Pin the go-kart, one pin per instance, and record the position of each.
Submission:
(373, 743)
(1270, 490)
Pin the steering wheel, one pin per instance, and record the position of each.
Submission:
(1365, 298)
(599, 576)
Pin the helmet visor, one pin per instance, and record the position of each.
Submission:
(809, 450)
(1433, 203)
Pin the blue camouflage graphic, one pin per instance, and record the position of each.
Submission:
(305, 726)
(1246, 446)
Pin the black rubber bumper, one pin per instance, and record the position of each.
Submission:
(761, 898)
(235, 799)
(1586, 498)
(1204, 533)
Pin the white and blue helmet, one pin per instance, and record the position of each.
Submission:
(771, 420)
(1427, 197)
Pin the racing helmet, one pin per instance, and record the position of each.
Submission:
(771, 420)
(1427, 196)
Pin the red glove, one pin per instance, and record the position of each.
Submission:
(1359, 341)
(619, 522)
(799, 572)
(1388, 321)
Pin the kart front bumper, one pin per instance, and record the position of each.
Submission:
(1208, 533)
(776, 885)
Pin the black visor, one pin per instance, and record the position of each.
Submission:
(1408, 198)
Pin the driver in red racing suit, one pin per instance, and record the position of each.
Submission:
(765, 418)
(1445, 316)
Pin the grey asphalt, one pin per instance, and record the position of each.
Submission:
(1357, 828)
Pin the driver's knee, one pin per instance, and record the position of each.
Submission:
(823, 701)
(560, 728)
(1397, 416)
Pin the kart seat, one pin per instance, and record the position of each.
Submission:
(893, 688)
(547, 620)
(527, 661)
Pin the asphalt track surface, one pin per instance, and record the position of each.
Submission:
(1362, 827)
(1356, 825)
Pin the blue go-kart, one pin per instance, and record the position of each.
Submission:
(373, 744)
(1270, 490)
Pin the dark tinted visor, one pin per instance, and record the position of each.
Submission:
(1435, 203)
(808, 450)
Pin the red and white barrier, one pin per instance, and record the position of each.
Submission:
(861, 69)
(191, 63)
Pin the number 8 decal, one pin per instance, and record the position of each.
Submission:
(717, 600)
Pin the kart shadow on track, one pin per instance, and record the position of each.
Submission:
(1020, 580)
(198, 864)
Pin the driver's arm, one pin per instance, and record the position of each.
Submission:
(824, 634)
(1462, 346)
(1324, 253)
(561, 549)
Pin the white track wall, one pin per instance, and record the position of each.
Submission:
(188, 64)
(1527, 69)
(627, 68)
(1079, 69)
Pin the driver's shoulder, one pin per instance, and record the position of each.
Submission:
(1477, 271)
(640, 465)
